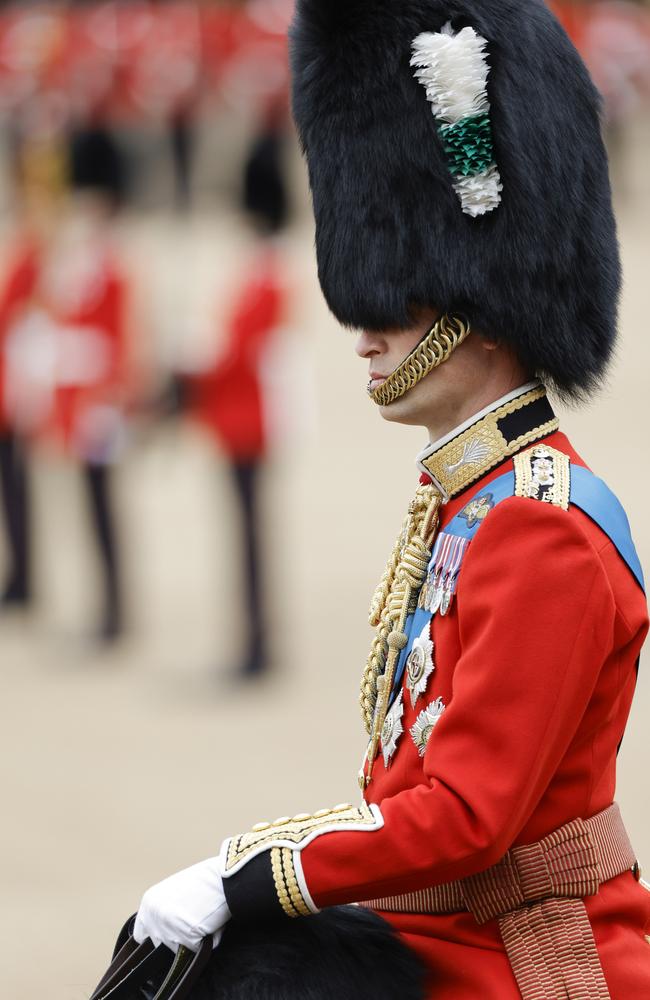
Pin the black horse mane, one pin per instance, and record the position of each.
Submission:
(344, 953)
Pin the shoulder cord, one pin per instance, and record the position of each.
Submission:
(394, 599)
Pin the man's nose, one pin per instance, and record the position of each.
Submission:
(369, 344)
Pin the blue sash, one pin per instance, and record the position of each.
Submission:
(589, 493)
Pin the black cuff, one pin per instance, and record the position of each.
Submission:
(251, 893)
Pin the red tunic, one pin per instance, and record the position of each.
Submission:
(229, 397)
(17, 289)
(535, 664)
(79, 325)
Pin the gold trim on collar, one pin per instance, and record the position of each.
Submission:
(456, 465)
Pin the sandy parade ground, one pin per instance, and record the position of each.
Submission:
(120, 766)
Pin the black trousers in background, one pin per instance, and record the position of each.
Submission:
(181, 136)
(14, 483)
(16, 504)
(246, 476)
(98, 483)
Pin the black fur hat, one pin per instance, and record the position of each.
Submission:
(345, 953)
(539, 266)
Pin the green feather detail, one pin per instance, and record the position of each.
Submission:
(468, 145)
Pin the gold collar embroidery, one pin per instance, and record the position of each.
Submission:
(457, 463)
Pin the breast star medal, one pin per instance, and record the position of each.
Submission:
(425, 724)
(420, 665)
(392, 729)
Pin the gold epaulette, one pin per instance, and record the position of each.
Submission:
(543, 473)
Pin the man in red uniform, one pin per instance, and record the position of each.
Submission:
(230, 396)
(64, 366)
(14, 479)
(464, 225)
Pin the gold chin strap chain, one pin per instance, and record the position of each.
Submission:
(396, 598)
(441, 341)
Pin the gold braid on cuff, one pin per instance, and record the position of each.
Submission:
(290, 897)
(441, 341)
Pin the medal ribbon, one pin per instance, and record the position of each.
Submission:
(448, 555)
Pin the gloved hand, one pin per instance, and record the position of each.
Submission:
(184, 908)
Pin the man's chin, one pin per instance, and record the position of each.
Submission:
(401, 411)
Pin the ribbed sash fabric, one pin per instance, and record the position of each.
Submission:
(552, 951)
(536, 893)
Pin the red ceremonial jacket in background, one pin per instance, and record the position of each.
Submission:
(18, 286)
(63, 348)
(229, 397)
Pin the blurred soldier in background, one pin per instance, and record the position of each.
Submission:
(17, 590)
(38, 169)
(230, 398)
(63, 330)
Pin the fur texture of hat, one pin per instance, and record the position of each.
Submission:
(541, 271)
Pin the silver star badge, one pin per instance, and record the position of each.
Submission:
(425, 724)
(420, 665)
(392, 729)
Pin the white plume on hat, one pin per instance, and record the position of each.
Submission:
(453, 69)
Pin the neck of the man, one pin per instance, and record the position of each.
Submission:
(479, 411)
(497, 431)
(483, 396)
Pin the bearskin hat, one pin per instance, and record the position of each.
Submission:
(456, 162)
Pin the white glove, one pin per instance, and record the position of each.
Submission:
(184, 908)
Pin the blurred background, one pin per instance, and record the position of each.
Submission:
(196, 501)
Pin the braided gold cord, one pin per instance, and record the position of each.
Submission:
(389, 598)
(395, 599)
(386, 595)
(409, 577)
(387, 580)
(445, 336)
